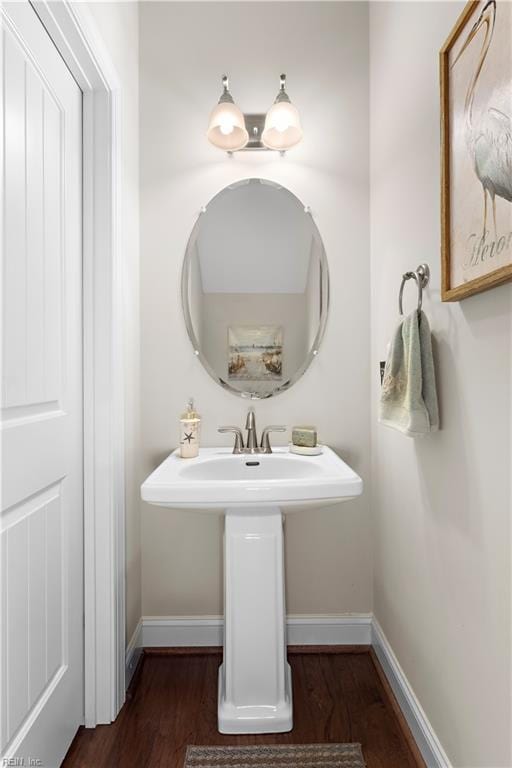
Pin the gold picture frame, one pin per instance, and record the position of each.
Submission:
(475, 110)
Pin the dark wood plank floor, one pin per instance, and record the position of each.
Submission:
(338, 697)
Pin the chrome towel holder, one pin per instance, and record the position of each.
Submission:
(422, 277)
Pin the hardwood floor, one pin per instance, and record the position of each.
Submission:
(338, 697)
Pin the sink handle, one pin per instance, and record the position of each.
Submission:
(265, 440)
(239, 438)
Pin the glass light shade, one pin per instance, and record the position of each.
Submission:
(226, 129)
(282, 126)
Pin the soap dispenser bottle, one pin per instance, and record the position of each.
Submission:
(190, 423)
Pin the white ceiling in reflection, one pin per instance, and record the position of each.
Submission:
(255, 237)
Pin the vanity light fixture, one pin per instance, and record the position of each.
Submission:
(231, 130)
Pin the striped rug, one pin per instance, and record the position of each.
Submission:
(283, 756)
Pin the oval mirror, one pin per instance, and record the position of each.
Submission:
(255, 288)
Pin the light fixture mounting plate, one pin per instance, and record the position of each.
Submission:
(254, 125)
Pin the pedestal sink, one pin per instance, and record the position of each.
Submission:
(253, 491)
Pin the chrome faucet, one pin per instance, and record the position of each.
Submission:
(252, 437)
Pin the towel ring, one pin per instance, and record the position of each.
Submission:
(422, 277)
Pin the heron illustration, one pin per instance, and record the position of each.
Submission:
(489, 136)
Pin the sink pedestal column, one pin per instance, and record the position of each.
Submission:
(255, 692)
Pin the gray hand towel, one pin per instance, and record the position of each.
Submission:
(408, 398)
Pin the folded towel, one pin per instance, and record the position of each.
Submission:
(408, 398)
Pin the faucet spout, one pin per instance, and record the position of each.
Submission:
(252, 438)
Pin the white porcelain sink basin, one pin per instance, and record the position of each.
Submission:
(253, 490)
(218, 479)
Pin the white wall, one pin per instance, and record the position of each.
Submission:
(118, 24)
(184, 50)
(440, 506)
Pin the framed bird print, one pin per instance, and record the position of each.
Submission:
(476, 147)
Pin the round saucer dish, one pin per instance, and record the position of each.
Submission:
(306, 450)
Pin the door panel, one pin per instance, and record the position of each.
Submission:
(41, 521)
(33, 238)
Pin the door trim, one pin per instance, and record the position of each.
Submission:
(73, 32)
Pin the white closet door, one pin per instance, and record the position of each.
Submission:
(41, 520)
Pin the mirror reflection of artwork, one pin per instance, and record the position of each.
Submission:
(476, 90)
(255, 353)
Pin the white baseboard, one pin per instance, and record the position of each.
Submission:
(176, 631)
(349, 629)
(133, 653)
(421, 729)
(158, 632)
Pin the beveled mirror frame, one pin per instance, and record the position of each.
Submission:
(324, 301)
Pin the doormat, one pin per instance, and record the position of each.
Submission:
(282, 756)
